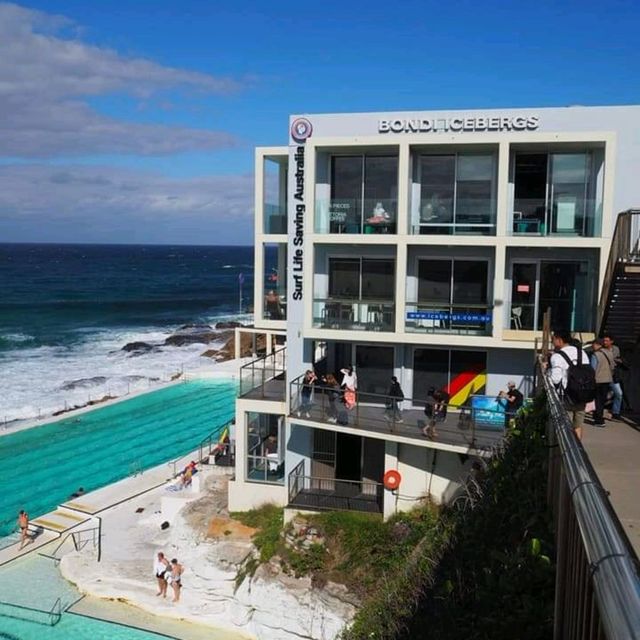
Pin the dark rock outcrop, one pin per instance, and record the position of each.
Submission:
(228, 325)
(138, 347)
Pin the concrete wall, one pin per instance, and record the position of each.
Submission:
(425, 472)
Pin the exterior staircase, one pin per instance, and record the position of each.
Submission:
(619, 308)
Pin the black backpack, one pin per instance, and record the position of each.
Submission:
(581, 379)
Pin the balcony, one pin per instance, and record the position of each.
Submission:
(469, 216)
(264, 377)
(369, 315)
(456, 319)
(307, 492)
(567, 216)
(275, 218)
(478, 425)
(356, 216)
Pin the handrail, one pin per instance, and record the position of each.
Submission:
(54, 613)
(272, 365)
(625, 246)
(612, 563)
(470, 417)
(76, 543)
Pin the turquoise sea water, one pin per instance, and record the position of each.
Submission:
(41, 467)
(32, 585)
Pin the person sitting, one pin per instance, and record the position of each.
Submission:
(221, 448)
(273, 307)
(379, 216)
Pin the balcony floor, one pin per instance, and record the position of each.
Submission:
(370, 421)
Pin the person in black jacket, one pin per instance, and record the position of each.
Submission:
(395, 397)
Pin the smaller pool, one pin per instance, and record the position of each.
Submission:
(41, 467)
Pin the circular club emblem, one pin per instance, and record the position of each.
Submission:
(301, 129)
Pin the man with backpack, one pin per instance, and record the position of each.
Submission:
(572, 374)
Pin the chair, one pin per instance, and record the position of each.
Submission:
(516, 317)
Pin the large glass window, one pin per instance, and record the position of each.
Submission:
(452, 297)
(265, 448)
(449, 370)
(361, 293)
(562, 286)
(555, 193)
(457, 194)
(275, 195)
(275, 282)
(362, 278)
(364, 191)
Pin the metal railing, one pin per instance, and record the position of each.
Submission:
(80, 542)
(255, 374)
(367, 315)
(48, 617)
(387, 414)
(597, 579)
(625, 247)
(334, 494)
(459, 319)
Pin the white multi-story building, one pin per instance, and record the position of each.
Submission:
(426, 246)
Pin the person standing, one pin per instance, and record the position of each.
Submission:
(603, 366)
(568, 354)
(395, 397)
(305, 393)
(613, 351)
(332, 389)
(350, 385)
(436, 411)
(513, 399)
(23, 524)
(160, 569)
(176, 579)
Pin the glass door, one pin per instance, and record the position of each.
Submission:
(569, 181)
(524, 291)
(374, 368)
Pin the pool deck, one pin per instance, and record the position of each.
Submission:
(614, 453)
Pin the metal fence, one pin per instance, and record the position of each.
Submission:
(597, 578)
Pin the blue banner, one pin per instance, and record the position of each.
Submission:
(445, 315)
(488, 412)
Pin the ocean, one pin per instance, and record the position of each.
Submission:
(66, 311)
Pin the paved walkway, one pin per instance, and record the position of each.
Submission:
(614, 453)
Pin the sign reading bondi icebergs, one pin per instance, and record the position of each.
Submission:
(459, 124)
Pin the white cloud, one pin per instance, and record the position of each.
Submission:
(47, 75)
(106, 204)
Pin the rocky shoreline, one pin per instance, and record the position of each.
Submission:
(221, 336)
(213, 548)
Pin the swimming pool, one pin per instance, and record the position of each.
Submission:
(41, 467)
(36, 583)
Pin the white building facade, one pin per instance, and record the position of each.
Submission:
(425, 246)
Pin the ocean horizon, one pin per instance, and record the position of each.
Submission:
(67, 310)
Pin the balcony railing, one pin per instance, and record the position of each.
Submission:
(597, 579)
(358, 216)
(362, 315)
(333, 494)
(478, 424)
(471, 216)
(264, 377)
(567, 216)
(459, 319)
(275, 218)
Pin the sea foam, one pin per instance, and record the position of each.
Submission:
(39, 381)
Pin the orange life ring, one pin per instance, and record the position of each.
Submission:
(391, 479)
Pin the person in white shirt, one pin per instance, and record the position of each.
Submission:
(558, 368)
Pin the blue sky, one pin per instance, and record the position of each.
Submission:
(137, 121)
